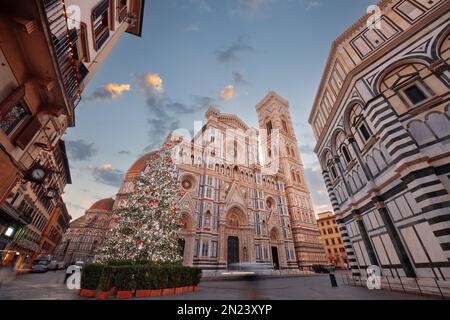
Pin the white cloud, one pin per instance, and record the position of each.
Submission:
(154, 81)
(312, 4)
(251, 7)
(227, 93)
(192, 28)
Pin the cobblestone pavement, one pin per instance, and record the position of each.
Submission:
(50, 285)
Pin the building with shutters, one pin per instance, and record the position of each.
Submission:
(332, 240)
(241, 200)
(49, 50)
(382, 122)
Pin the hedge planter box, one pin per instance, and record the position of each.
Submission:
(190, 289)
(186, 289)
(103, 295)
(123, 278)
(179, 290)
(88, 293)
(124, 294)
(143, 293)
(155, 293)
(168, 291)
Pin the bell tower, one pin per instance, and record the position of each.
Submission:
(280, 151)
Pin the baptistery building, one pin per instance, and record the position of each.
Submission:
(381, 118)
(243, 194)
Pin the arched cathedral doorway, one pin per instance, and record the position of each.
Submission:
(233, 251)
(237, 236)
(274, 238)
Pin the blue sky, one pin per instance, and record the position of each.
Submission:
(199, 53)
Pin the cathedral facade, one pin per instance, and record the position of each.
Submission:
(86, 234)
(243, 194)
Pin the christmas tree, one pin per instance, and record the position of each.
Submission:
(147, 228)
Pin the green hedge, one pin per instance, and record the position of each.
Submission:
(147, 276)
(90, 275)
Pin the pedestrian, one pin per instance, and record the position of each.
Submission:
(333, 279)
(7, 273)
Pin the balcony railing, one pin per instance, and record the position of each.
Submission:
(123, 12)
(27, 244)
(63, 41)
(420, 286)
(15, 214)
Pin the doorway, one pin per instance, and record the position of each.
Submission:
(233, 250)
(181, 245)
(276, 263)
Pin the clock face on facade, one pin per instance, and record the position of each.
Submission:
(38, 174)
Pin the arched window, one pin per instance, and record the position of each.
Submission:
(359, 126)
(284, 124)
(330, 166)
(400, 75)
(208, 219)
(346, 154)
(341, 145)
(405, 80)
(269, 127)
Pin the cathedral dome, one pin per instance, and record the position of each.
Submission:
(140, 163)
(104, 204)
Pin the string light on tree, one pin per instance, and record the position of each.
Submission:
(148, 227)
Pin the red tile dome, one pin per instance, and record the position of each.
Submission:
(104, 204)
(140, 163)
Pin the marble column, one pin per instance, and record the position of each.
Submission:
(366, 238)
(395, 237)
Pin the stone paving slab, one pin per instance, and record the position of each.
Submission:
(51, 286)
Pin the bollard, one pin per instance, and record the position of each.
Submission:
(333, 280)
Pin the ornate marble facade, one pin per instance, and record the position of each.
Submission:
(242, 201)
(382, 122)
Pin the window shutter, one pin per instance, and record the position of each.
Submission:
(100, 9)
(28, 133)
